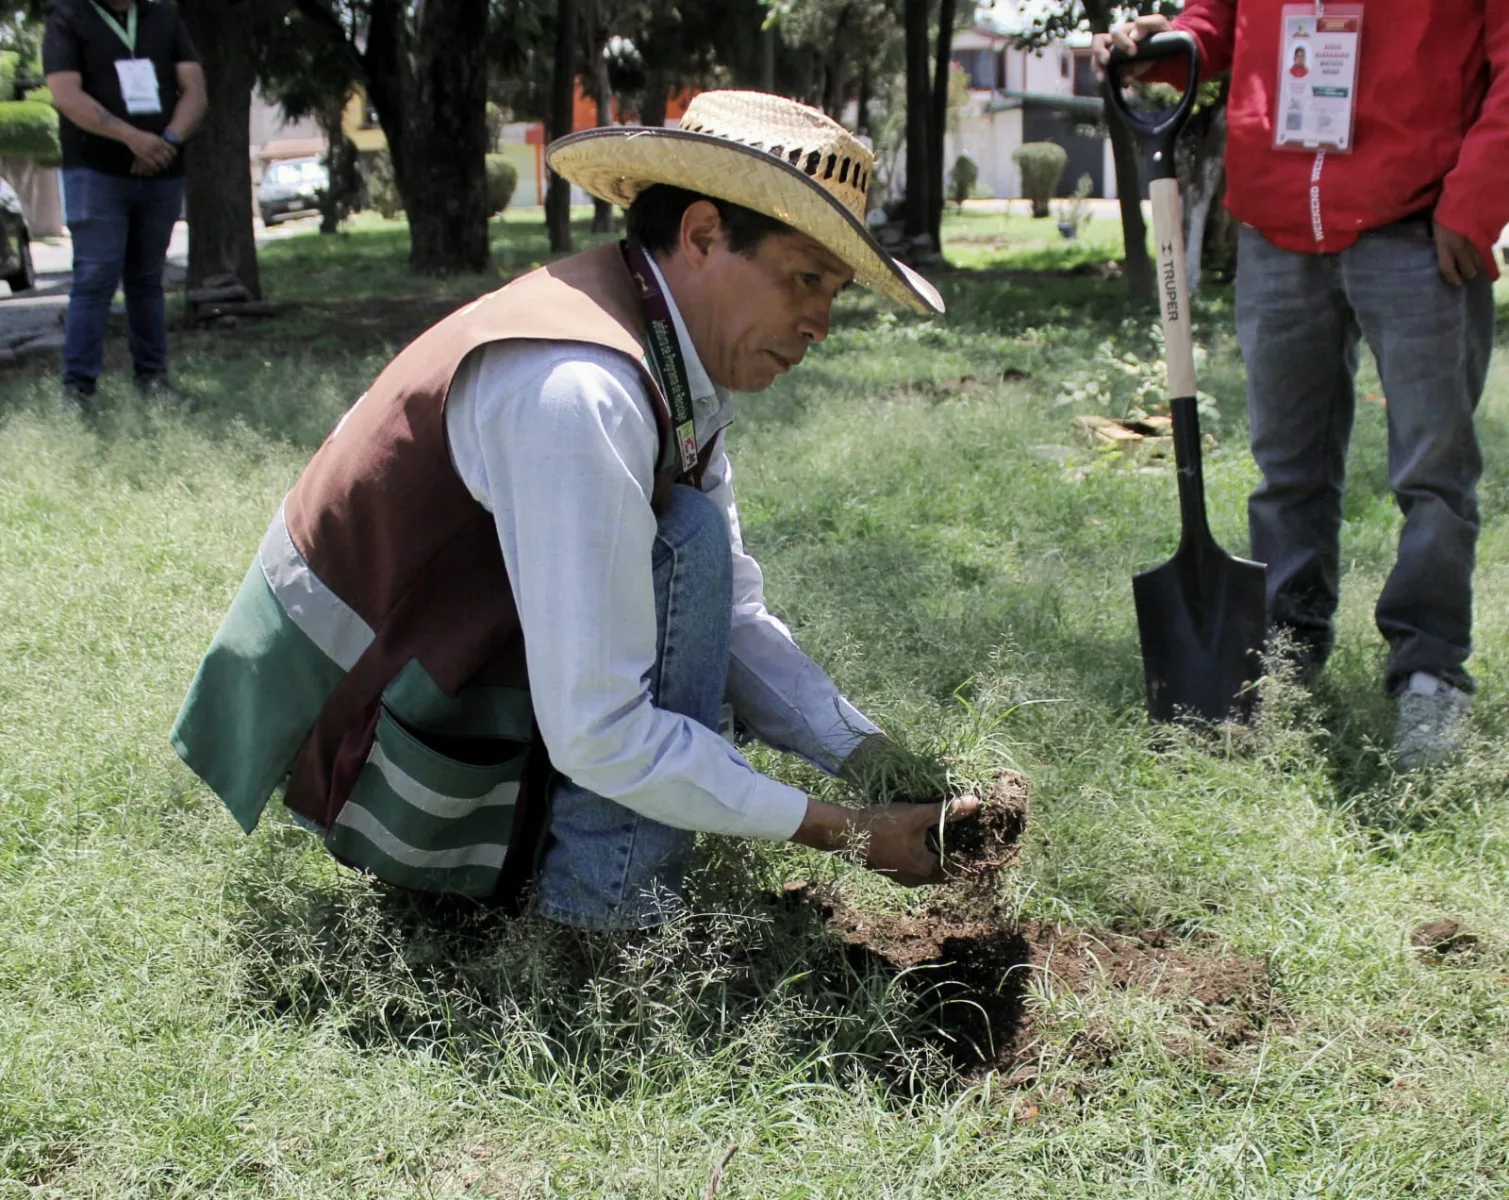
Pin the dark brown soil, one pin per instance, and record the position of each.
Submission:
(1439, 939)
(978, 970)
(978, 847)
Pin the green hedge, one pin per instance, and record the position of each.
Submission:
(30, 131)
(1042, 166)
(9, 60)
(502, 178)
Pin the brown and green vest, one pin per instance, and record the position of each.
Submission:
(373, 661)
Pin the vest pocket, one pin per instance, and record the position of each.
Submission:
(419, 818)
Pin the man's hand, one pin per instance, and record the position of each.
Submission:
(1457, 255)
(1126, 36)
(893, 837)
(153, 154)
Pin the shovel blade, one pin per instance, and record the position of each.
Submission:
(1202, 617)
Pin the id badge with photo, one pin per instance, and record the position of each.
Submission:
(138, 78)
(1319, 48)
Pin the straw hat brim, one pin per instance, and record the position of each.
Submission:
(616, 163)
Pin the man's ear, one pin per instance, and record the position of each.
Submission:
(701, 227)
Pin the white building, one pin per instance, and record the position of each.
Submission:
(1017, 96)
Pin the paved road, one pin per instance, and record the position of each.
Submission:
(42, 308)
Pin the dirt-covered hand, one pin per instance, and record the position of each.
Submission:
(1126, 36)
(898, 845)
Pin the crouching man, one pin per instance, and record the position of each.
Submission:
(489, 633)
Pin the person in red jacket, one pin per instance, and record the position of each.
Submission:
(1370, 199)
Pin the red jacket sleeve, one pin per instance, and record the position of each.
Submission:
(1474, 200)
(1214, 24)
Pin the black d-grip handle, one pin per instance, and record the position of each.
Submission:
(1158, 128)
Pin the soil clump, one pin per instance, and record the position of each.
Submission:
(979, 847)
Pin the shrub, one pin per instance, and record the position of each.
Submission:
(8, 62)
(38, 95)
(502, 178)
(962, 178)
(30, 131)
(1075, 211)
(382, 187)
(1042, 165)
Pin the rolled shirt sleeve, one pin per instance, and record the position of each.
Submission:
(558, 442)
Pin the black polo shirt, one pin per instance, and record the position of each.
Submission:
(79, 39)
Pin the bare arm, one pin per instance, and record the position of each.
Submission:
(192, 100)
(70, 98)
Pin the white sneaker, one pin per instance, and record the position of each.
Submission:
(1430, 724)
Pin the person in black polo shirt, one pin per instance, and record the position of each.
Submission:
(126, 79)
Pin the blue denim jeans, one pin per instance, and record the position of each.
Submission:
(121, 227)
(1300, 319)
(606, 867)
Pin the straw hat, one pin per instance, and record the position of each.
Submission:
(763, 152)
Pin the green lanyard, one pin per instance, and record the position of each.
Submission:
(665, 356)
(129, 36)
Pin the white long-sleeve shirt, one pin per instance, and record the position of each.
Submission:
(558, 441)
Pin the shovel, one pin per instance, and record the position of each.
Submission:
(1202, 615)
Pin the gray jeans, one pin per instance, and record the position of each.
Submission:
(1300, 318)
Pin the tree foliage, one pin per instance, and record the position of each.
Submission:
(842, 40)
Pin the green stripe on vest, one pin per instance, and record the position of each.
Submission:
(419, 819)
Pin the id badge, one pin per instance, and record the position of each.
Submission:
(1318, 51)
(138, 78)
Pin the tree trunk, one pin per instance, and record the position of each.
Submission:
(1137, 267)
(218, 159)
(444, 183)
(341, 174)
(562, 94)
(862, 118)
(1199, 157)
(936, 167)
(835, 65)
(833, 85)
(1218, 256)
(602, 210)
(1205, 180)
(656, 94)
(918, 77)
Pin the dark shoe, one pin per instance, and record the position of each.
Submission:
(1301, 658)
(75, 399)
(158, 387)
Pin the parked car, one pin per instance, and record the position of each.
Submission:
(15, 242)
(291, 188)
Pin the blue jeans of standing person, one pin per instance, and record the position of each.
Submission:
(1300, 318)
(121, 226)
(606, 866)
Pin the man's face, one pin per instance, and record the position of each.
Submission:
(752, 318)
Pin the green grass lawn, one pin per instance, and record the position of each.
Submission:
(188, 1012)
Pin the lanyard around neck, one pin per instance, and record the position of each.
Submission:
(666, 359)
(128, 35)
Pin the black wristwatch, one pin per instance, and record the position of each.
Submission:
(172, 138)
